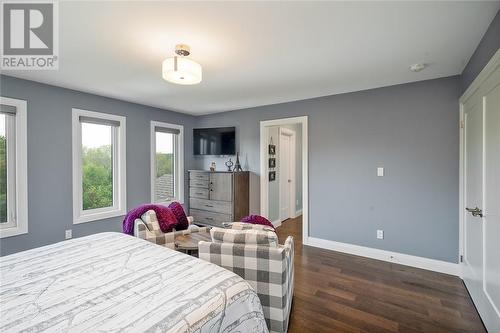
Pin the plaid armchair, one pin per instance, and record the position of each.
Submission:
(253, 252)
(148, 228)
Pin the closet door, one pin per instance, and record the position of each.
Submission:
(481, 194)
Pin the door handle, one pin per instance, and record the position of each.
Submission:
(475, 211)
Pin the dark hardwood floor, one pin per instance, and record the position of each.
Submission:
(337, 292)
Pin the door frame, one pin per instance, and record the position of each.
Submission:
(291, 204)
(264, 182)
(475, 85)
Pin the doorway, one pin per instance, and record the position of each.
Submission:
(283, 171)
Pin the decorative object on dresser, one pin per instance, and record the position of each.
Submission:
(229, 164)
(237, 165)
(213, 166)
(218, 197)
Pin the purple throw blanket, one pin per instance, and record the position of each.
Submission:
(163, 214)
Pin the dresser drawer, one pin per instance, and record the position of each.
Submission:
(213, 219)
(198, 175)
(198, 183)
(223, 207)
(200, 193)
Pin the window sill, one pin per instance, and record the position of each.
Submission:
(166, 203)
(91, 217)
(13, 231)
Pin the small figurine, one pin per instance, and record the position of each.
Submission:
(212, 167)
(237, 165)
(229, 164)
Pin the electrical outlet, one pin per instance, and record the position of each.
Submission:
(380, 234)
(68, 234)
(380, 172)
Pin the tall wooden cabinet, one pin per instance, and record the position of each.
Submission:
(218, 197)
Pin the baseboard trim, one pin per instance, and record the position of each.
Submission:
(276, 223)
(389, 256)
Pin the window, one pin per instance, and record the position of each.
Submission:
(167, 167)
(99, 176)
(13, 168)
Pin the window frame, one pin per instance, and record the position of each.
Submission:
(119, 207)
(17, 179)
(178, 161)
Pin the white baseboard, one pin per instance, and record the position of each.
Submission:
(276, 223)
(395, 257)
(298, 212)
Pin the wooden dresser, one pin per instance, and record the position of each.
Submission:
(218, 197)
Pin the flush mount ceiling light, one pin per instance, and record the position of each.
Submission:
(180, 69)
(417, 67)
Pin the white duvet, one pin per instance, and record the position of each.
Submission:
(111, 282)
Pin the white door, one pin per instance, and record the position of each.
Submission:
(481, 197)
(285, 173)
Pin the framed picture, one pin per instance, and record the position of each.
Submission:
(272, 162)
(272, 176)
(272, 150)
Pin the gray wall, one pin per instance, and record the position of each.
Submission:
(489, 44)
(49, 158)
(409, 129)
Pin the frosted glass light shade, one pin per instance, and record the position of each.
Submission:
(181, 70)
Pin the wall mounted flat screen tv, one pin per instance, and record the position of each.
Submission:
(214, 141)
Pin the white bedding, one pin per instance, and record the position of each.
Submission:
(111, 282)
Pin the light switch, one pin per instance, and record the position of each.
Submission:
(380, 234)
(380, 172)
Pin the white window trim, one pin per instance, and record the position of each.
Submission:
(179, 160)
(21, 171)
(119, 207)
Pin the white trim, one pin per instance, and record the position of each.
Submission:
(283, 131)
(389, 256)
(276, 223)
(179, 159)
(264, 182)
(461, 186)
(21, 172)
(119, 207)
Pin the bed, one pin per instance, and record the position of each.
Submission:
(111, 282)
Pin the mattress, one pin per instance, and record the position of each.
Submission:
(111, 282)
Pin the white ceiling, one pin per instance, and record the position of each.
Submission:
(257, 53)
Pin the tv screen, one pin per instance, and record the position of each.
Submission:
(214, 141)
